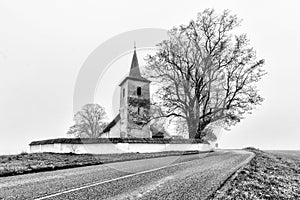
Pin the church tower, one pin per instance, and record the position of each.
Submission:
(134, 103)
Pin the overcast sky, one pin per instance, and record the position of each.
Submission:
(43, 45)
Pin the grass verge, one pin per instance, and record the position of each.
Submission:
(266, 176)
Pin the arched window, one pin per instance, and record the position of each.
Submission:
(139, 91)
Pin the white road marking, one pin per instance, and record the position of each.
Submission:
(144, 190)
(111, 180)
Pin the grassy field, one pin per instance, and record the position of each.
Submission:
(269, 175)
(37, 162)
(290, 154)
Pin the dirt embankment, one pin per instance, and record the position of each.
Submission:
(266, 176)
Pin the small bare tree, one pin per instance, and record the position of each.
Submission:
(73, 148)
(89, 121)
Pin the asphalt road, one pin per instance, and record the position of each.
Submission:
(174, 177)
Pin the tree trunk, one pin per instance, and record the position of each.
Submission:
(192, 125)
(201, 126)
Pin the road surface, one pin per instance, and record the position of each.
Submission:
(175, 177)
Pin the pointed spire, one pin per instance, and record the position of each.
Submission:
(135, 69)
(135, 73)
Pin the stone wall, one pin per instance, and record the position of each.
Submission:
(121, 147)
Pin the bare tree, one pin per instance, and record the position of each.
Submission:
(181, 128)
(206, 74)
(73, 148)
(89, 121)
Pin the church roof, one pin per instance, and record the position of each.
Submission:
(135, 73)
(159, 132)
(112, 123)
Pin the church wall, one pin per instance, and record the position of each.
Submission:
(35, 148)
(123, 109)
(104, 135)
(141, 148)
(48, 147)
(140, 133)
(110, 148)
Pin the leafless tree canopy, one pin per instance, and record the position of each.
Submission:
(206, 74)
(89, 121)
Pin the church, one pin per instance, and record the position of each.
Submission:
(131, 122)
(130, 131)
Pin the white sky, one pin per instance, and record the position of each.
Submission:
(43, 45)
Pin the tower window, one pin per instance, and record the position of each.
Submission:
(139, 91)
(123, 92)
